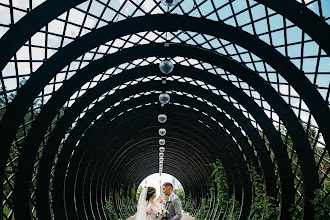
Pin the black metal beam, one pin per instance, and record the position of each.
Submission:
(94, 93)
(44, 74)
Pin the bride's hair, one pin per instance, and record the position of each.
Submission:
(151, 191)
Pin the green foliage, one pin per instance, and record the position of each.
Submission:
(128, 203)
(138, 193)
(180, 193)
(222, 196)
(221, 184)
(263, 206)
(320, 207)
(133, 194)
(204, 209)
(234, 208)
(109, 210)
(188, 204)
(127, 200)
(20, 136)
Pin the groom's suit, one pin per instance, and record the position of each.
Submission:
(174, 208)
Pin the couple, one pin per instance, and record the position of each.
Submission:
(147, 209)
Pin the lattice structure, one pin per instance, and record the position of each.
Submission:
(79, 93)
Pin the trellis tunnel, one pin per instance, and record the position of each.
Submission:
(80, 86)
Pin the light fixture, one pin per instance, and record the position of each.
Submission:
(162, 118)
(169, 3)
(161, 142)
(162, 149)
(161, 155)
(166, 66)
(164, 98)
(162, 131)
(161, 163)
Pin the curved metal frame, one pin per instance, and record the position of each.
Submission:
(11, 42)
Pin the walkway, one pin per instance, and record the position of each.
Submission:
(184, 217)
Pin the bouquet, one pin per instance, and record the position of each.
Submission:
(161, 213)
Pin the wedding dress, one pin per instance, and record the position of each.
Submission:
(144, 208)
(151, 212)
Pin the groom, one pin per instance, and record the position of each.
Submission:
(173, 205)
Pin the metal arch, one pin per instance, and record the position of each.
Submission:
(47, 154)
(87, 209)
(273, 57)
(101, 144)
(140, 171)
(295, 136)
(117, 178)
(122, 171)
(306, 143)
(78, 181)
(26, 27)
(41, 175)
(304, 18)
(176, 86)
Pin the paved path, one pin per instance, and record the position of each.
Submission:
(184, 217)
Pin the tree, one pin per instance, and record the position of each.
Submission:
(180, 193)
(139, 190)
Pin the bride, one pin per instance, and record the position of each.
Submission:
(147, 209)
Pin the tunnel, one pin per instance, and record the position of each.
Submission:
(244, 86)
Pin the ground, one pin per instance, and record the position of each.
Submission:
(184, 217)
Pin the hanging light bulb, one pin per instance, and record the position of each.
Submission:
(166, 66)
(169, 3)
(162, 131)
(162, 118)
(161, 142)
(164, 98)
(162, 149)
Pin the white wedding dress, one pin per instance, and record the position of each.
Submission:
(145, 211)
(151, 212)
